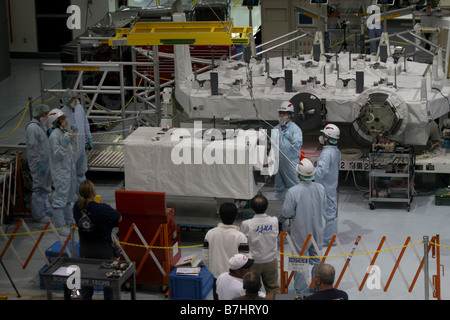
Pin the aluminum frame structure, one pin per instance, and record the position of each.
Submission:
(150, 102)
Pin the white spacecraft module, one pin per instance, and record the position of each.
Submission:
(395, 98)
(195, 162)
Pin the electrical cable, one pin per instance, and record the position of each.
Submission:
(294, 165)
(18, 124)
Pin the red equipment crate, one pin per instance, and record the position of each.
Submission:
(147, 210)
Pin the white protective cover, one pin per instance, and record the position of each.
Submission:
(148, 165)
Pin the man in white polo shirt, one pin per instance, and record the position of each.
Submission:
(262, 234)
(222, 242)
(230, 284)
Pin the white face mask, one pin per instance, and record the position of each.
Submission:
(74, 103)
(44, 121)
(284, 120)
(65, 124)
(322, 139)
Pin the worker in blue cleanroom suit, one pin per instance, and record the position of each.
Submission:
(38, 151)
(327, 174)
(374, 27)
(62, 166)
(77, 118)
(290, 142)
(305, 205)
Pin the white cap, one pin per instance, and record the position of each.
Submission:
(239, 261)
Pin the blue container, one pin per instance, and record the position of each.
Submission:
(53, 251)
(447, 143)
(184, 287)
(42, 284)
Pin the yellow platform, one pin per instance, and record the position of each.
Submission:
(181, 33)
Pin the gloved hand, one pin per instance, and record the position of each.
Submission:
(283, 224)
(41, 168)
(90, 144)
(73, 128)
(66, 139)
(287, 135)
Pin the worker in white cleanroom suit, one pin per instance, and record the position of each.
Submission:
(305, 205)
(74, 112)
(38, 152)
(62, 165)
(290, 142)
(327, 174)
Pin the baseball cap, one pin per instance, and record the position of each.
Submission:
(239, 261)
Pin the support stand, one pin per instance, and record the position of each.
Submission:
(384, 39)
(318, 38)
(12, 283)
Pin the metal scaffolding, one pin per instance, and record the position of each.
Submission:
(144, 101)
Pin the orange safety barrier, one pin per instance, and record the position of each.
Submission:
(11, 238)
(330, 245)
(347, 262)
(434, 246)
(397, 263)
(36, 246)
(36, 242)
(372, 262)
(437, 277)
(284, 278)
(163, 235)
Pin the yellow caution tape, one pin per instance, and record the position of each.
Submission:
(31, 232)
(18, 124)
(351, 254)
(280, 253)
(156, 247)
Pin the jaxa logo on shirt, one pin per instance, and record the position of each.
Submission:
(263, 228)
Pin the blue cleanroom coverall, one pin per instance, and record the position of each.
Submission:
(289, 157)
(62, 166)
(77, 117)
(327, 174)
(305, 205)
(38, 152)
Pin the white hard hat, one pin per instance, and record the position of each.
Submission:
(53, 115)
(286, 106)
(331, 131)
(306, 169)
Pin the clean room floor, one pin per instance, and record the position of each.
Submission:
(355, 218)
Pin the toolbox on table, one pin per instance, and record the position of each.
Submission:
(442, 197)
(53, 251)
(190, 287)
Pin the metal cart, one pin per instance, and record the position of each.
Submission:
(92, 274)
(391, 177)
